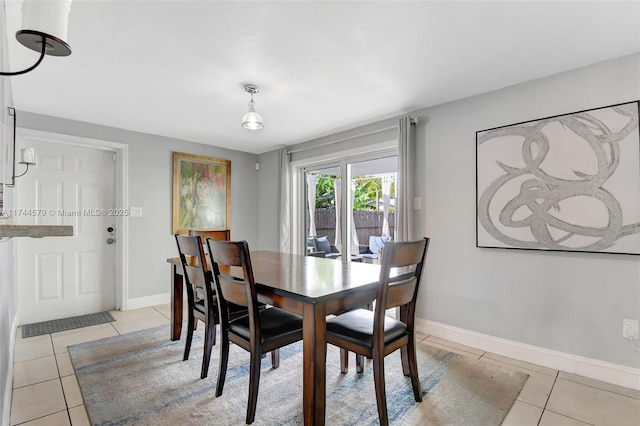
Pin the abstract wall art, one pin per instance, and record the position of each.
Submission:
(564, 183)
(201, 193)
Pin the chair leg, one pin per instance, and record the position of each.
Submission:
(275, 358)
(224, 358)
(254, 383)
(359, 363)
(413, 370)
(189, 338)
(344, 361)
(378, 380)
(209, 341)
(404, 356)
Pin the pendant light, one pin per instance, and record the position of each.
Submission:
(252, 120)
(44, 29)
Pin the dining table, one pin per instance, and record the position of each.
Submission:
(311, 287)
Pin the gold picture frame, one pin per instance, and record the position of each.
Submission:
(201, 193)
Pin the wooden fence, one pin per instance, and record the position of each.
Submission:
(368, 223)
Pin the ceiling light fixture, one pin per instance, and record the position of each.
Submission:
(252, 120)
(44, 30)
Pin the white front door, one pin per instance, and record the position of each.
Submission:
(59, 277)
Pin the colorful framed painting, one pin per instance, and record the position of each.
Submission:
(201, 193)
(564, 183)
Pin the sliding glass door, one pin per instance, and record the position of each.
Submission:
(347, 203)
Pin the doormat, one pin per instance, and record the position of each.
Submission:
(46, 327)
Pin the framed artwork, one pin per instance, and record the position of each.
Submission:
(564, 183)
(201, 193)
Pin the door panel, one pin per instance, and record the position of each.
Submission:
(66, 276)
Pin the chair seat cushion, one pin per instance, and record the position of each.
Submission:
(275, 324)
(357, 327)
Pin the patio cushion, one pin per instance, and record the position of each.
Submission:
(322, 243)
(311, 243)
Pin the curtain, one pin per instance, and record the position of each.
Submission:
(404, 184)
(386, 204)
(337, 186)
(355, 244)
(284, 221)
(311, 200)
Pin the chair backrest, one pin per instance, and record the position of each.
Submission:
(220, 235)
(231, 289)
(194, 265)
(399, 287)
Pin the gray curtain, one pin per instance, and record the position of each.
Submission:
(284, 221)
(404, 183)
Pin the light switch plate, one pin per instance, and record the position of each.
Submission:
(135, 211)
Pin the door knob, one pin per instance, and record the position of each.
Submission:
(110, 240)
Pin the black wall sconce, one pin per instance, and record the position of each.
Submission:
(27, 157)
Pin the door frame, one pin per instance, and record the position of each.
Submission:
(121, 194)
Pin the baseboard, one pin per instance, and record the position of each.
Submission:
(607, 372)
(144, 302)
(8, 387)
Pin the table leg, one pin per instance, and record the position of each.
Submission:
(315, 356)
(176, 303)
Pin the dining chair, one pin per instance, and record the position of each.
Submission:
(201, 299)
(375, 335)
(198, 281)
(259, 332)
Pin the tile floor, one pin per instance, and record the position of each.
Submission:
(45, 390)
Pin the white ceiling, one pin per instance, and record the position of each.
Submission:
(177, 68)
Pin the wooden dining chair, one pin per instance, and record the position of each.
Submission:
(375, 335)
(259, 332)
(198, 280)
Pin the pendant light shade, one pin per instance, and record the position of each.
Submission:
(44, 29)
(48, 19)
(252, 120)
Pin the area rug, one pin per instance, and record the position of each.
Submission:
(53, 326)
(140, 378)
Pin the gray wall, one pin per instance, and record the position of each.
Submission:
(150, 183)
(569, 302)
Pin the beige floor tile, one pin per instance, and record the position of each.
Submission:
(33, 349)
(134, 314)
(464, 348)
(35, 401)
(522, 414)
(453, 349)
(34, 371)
(79, 416)
(164, 309)
(57, 419)
(538, 387)
(60, 343)
(633, 393)
(65, 368)
(71, 391)
(591, 405)
(128, 327)
(549, 418)
(522, 364)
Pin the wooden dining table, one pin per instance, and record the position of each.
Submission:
(308, 286)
